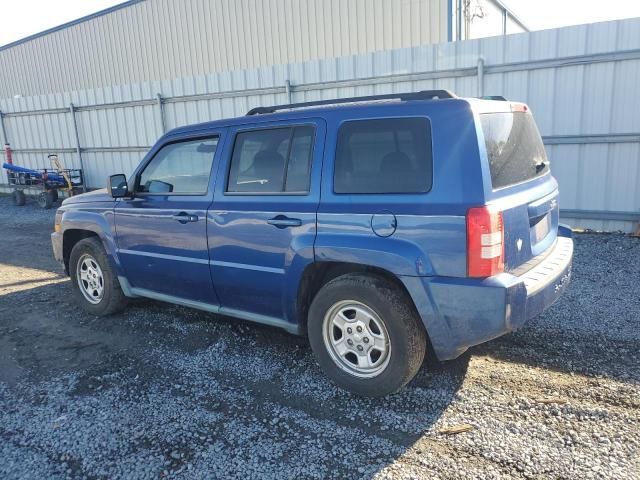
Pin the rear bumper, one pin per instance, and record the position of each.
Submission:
(461, 312)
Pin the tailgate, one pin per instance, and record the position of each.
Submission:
(530, 229)
(522, 186)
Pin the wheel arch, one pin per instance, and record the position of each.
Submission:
(317, 274)
(70, 238)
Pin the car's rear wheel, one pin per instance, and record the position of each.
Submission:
(19, 198)
(95, 285)
(45, 200)
(366, 334)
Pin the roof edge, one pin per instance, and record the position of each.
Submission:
(70, 24)
(511, 14)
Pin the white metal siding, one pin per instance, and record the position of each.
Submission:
(569, 97)
(164, 39)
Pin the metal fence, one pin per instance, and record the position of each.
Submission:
(581, 83)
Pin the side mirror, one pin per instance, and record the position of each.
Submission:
(117, 185)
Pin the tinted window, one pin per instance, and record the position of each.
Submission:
(384, 156)
(271, 161)
(514, 148)
(182, 167)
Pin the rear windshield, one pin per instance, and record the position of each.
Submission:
(514, 147)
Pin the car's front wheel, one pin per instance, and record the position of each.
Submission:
(94, 284)
(366, 334)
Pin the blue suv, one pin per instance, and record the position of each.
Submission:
(375, 225)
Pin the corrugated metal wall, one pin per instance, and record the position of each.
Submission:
(164, 39)
(581, 83)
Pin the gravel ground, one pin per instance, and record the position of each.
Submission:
(163, 391)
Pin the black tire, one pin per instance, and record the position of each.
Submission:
(45, 200)
(54, 195)
(19, 198)
(406, 334)
(113, 300)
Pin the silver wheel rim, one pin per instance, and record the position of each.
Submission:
(356, 339)
(90, 279)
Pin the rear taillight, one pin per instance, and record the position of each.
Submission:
(485, 242)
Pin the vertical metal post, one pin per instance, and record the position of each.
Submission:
(2, 128)
(480, 76)
(72, 111)
(5, 141)
(163, 127)
(450, 15)
(459, 21)
(287, 89)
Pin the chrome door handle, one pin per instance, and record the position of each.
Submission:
(282, 221)
(184, 217)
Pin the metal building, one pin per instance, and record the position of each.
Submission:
(83, 92)
(142, 40)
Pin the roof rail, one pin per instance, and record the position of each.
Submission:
(422, 95)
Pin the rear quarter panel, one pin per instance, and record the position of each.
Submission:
(430, 238)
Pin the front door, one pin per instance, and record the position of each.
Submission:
(162, 230)
(262, 224)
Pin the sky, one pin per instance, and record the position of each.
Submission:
(542, 14)
(21, 18)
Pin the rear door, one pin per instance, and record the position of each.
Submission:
(262, 223)
(521, 184)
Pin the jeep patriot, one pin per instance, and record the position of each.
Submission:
(377, 226)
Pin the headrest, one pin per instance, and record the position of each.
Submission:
(267, 162)
(395, 163)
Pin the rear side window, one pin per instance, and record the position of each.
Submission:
(514, 147)
(274, 160)
(384, 156)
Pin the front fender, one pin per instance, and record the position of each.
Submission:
(96, 219)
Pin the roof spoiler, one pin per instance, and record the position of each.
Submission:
(494, 97)
(421, 95)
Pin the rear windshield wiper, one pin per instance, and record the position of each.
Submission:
(540, 166)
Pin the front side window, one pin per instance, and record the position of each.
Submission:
(181, 167)
(274, 160)
(384, 156)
